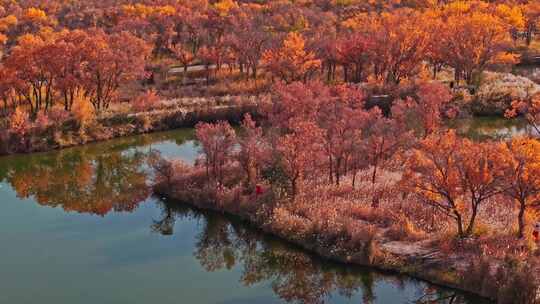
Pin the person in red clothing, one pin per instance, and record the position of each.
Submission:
(258, 190)
(536, 232)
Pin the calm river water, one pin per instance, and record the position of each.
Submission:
(80, 226)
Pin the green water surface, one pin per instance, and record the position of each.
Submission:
(80, 226)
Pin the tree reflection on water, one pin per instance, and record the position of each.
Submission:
(295, 276)
(80, 181)
(112, 177)
(92, 179)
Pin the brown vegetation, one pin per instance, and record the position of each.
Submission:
(357, 186)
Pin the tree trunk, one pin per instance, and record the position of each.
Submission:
(331, 169)
(459, 223)
(338, 175)
(521, 219)
(470, 227)
(374, 174)
(457, 75)
(294, 186)
(328, 67)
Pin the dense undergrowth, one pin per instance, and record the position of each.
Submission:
(395, 191)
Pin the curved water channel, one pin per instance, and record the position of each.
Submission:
(80, 226)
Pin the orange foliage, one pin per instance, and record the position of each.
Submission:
(83, 111)
(19, 122)
(471, 41)
(522, 175)
(292, 62)
(35, 14)
(455, 175)
(530, 109)
(146, 101)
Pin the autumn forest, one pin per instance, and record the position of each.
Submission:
(334, 125)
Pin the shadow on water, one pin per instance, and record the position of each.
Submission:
(295, 276)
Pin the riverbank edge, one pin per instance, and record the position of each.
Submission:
(125, 125)
(401, 264)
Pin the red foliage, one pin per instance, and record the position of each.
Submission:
(299, 152)
(146, 101)
(42, 121)
(217, 143)
(294, 102)
(342, 117)
(254, 150)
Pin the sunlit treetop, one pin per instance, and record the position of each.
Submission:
(143, 11)
(35, 14)
(224, 6)
(512, 15)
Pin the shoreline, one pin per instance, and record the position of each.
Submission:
(125, 125)
(308, 250)
(426, 267)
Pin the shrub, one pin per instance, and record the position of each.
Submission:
(58, 115)
(163, 169)
(404, 230)
(372, 215)
(369, 251)
(83, 111)
(291, 225)
(144, 122)
(42, 122)
(19, 122)
(146, 101)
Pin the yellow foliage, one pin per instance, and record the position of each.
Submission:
(457, 7)
(347, 2)
(358, 22)
(19, 121)
(35, 15)
(292, 62)
(144, 11)
(82, 110)
(166, 10)
(506, 58)
(139, 10)
(512, 15)
(224, 6)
